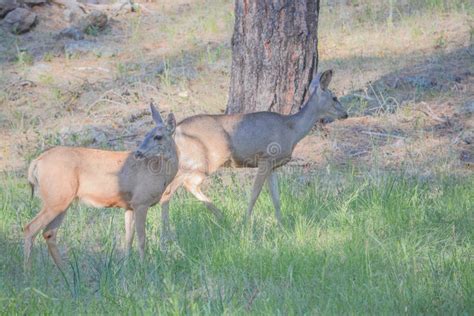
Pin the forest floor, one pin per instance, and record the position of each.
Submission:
(408, 83)
(377, 208)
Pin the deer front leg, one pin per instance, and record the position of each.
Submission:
(273, 187)
(264, 169)
(166, 232)
(129, 230)
(140, 221)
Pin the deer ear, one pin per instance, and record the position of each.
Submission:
(171, 123)
(156, 115)
(325, 79)
(313, 85)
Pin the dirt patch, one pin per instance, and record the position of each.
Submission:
(410, 100)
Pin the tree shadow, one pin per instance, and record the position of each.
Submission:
(440, 73)
(416, 116)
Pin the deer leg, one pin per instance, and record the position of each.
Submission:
(140, 221)
(49, 234)
(264, 169)
(44, 217)
(272, 182)
(27, 252)
(192, 184)
(166, 233)
(129, 230)
(273, 187)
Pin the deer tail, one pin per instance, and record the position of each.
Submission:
(32, 176)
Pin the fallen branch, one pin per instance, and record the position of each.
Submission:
(105, 101)
(359, 153)
(91, 69)
(361, 96)
(382, 134)
(429, 112)
(23, 83)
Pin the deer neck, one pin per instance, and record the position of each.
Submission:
(305, 119)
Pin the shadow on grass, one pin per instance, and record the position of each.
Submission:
(350, 244)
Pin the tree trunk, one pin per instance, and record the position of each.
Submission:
(274, 54)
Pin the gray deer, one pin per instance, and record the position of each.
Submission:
(263, 140)
(134, 181)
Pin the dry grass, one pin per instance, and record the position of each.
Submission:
(396, 74)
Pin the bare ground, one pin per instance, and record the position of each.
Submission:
(408, 85)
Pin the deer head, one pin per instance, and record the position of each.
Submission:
(328, 105)
(159, 141)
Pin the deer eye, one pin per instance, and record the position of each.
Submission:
(157, 137)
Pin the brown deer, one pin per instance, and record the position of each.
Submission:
(263, 140)
(133, 181)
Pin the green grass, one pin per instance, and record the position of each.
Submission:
(351, 244)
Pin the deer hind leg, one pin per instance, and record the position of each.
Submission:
(56, 196)
(273, 187)
(264, 169)
(192, 184)
(44, 217)
(57, 193)
(49, 234)
(129, 230)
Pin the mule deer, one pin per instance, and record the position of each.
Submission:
(132, 181)
(264, 140)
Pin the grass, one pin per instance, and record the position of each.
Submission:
(361, 242)
(351, 244)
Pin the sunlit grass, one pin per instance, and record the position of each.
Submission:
(350, 244)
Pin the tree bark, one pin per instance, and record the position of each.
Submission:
(274, 54)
